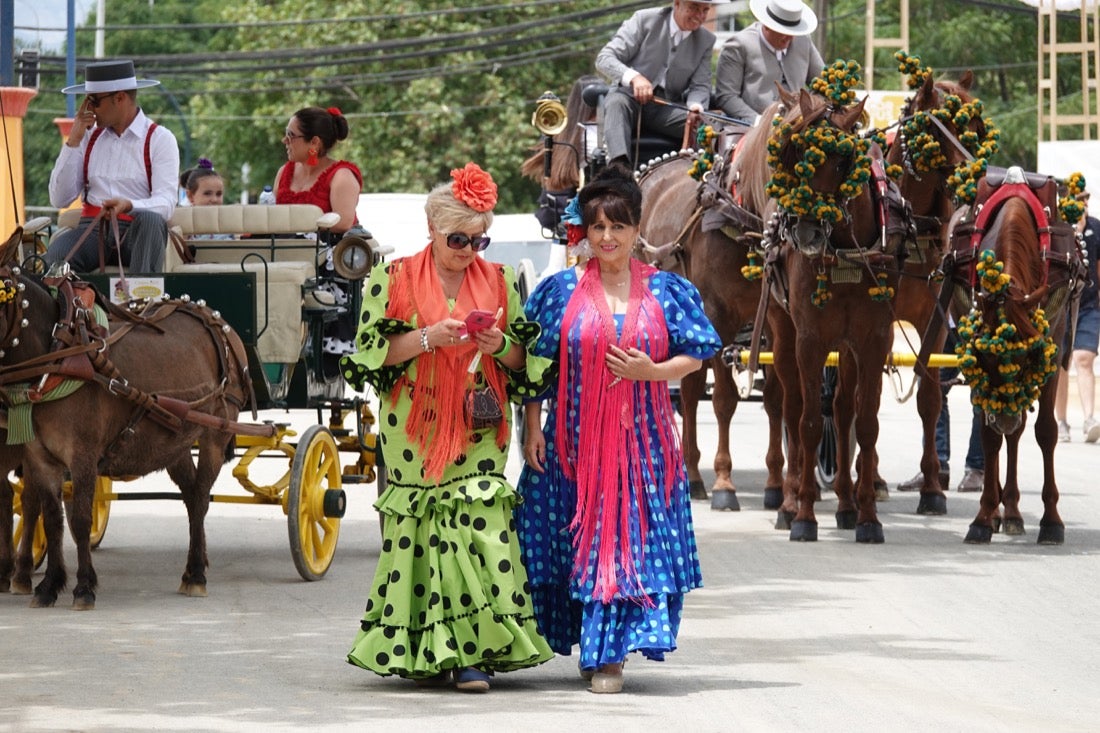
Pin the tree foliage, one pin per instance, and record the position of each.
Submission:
(430, 84)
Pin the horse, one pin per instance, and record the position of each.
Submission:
(1016, 262)
(699, 229)
(927, 161)
(831, 250)
(927, 164)
(94, 389)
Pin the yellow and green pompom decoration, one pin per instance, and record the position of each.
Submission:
(1069, 207)
(752, 271)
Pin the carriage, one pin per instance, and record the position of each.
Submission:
(278, 277)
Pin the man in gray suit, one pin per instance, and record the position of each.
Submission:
(777, 48)
(659, 53)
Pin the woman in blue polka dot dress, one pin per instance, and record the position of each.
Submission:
(605, 521)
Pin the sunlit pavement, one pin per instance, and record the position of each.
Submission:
(923, 632)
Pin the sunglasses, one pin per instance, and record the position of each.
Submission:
(458, 240)
(94, 101)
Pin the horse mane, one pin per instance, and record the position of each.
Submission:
(750, 168)
(1015, 240)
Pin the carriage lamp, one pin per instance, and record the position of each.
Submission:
(352, 257)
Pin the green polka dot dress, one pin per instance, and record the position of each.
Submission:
(450, 590)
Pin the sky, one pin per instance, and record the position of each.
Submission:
(47, 14)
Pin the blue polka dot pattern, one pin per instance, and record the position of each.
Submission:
(668, 562)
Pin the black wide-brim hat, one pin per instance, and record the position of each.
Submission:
(109, 76)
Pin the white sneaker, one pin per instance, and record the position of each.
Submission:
(1063, 431)
(1091, 429)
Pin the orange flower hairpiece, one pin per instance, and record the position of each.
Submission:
(334, 111)
(474, 187)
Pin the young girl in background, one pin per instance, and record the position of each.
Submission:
(203, 184)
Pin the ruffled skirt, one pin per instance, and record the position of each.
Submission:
(450, 590)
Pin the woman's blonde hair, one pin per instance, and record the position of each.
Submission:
(447, 214)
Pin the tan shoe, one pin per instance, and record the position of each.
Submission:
(915, 483)
(608, 679)
(973, 480)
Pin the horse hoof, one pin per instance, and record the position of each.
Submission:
(43, 600)
(19, 588)
(1052, 534)
(882, 490)
(783, 519)
(979, 534)
(846, 519)
(870, 533)
(84, 602)
(932, 504)
(1013, 527)
(724, 500)
(803, 531)
(193, 590)
(698, 490)
(996, 525)
(773, 498)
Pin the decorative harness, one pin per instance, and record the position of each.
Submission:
(79, 350)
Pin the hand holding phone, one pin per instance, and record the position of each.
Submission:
(479, 320)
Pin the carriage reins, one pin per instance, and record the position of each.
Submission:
(79, 351)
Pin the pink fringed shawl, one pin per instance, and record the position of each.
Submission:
(611, 458)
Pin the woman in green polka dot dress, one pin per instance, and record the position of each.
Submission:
(450, 595)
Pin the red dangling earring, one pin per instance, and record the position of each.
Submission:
(312, 159)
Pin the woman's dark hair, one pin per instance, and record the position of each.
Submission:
(189, 179)
(614, 192)
(328, 124)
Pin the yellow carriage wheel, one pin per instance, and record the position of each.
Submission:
(101, 508)
(315, 502)
(38, 545)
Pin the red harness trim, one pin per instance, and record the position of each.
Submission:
(88, 156)
(987, 210)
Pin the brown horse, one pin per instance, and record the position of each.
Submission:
(932, 204)
(811, 259)
(1016, 228)
(147, 388)
(698, 229)
(924, 185)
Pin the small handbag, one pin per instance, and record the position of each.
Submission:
(483, 408)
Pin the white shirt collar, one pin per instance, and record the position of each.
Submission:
(676, 33)
(779, 54)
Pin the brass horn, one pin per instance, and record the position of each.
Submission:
(549, 117)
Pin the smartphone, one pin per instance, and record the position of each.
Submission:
(478, 320)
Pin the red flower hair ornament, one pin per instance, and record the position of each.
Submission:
(334, 111)
(474, 187)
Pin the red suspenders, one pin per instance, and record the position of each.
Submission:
(148, 160)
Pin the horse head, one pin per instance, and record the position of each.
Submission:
(819, 165)
(28, 312)
(942, 129)
(1007, 344)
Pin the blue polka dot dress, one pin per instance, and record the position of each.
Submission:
(566, 607)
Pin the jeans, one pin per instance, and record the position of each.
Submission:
(975, 458)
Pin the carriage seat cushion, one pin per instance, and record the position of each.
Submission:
(246, 219)
(282, 341)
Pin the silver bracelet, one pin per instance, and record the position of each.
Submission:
(424, 340)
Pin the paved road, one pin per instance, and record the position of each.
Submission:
(920, 633)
